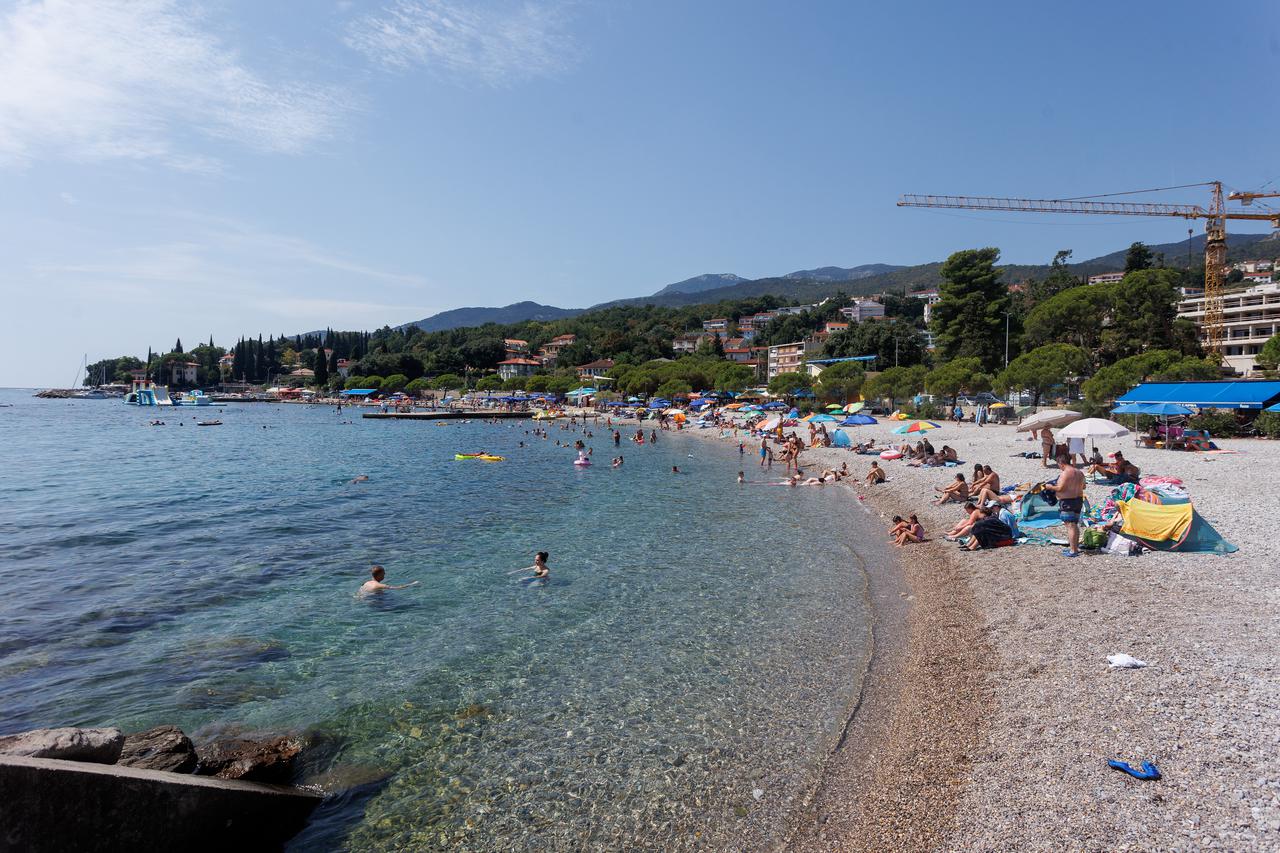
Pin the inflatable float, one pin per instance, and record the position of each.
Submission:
(890, 454)
(483, 457)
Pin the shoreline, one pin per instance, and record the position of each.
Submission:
(1029, 631)
(893, 779)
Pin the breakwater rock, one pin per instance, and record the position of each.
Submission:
(161, 748)
(99, 746)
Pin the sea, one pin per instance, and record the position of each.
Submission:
(677, 685)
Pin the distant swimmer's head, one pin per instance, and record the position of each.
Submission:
(541, 557)
(378, 573)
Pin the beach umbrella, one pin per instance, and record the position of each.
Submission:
(915, 426)
(1000, 406)
(853, 408)
(1049, 418)
(1275, 408)
(770, 424)
(835, 407)
(858, 420)
(1092, 428)
(820, 419)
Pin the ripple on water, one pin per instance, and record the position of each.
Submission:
(698, 641)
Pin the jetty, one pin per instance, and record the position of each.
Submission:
(445, 416)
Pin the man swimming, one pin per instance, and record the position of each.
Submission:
(376, 584)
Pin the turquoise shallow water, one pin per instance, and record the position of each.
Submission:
(675, 686)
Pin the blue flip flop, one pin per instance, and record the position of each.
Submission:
(1067, 553)
(1148, 772)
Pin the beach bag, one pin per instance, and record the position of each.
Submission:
(1092, 538)
(1121, 547)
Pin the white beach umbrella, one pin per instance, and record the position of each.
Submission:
(1049, 418)
(1092, 428)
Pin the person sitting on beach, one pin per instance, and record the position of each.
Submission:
(972, 514)
(899, 524)
(957, 491)
(989, 531)
(986, 479)
(844, 469)
(376, 584)
(1119, 471)
(949, 454)
(875, 475)
(913, 533)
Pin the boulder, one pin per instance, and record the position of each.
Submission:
(252, 760)
(161, 748)
(98, 746)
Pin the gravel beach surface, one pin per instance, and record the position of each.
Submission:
(1004, 711)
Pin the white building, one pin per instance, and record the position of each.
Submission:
(720, 324)
(1106, 277)
(786, 358)
(1250, 318)
(863, 309)
(513, 367)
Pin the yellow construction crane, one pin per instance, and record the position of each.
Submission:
(1215, 216)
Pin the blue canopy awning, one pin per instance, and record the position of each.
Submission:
(359, 392)
(1245, 394)
(1164, 410)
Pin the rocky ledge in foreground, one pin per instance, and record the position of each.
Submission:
(99, 789)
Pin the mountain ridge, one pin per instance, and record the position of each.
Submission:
(821, 282)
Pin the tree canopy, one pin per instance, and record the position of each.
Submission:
(968, 321)
(1042, 369)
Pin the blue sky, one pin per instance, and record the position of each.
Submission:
(234, 168)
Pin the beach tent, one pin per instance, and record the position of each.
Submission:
(840, 438)
(1036, 512)
(1171, 527)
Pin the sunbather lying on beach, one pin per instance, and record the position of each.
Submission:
(957, 491)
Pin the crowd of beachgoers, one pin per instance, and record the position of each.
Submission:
(1052, 710)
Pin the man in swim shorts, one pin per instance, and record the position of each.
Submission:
(1069, 488)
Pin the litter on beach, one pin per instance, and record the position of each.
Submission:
(1148, 773)
(1124, 661)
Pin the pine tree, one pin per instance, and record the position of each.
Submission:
(178, 346)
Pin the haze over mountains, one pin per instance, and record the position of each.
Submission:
(821, 282)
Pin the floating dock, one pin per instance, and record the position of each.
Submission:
(444, 416)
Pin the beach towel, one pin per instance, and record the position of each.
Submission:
(1155, 523)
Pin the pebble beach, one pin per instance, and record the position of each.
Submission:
(995, 713)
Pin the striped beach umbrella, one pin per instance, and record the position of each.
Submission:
(915, 426)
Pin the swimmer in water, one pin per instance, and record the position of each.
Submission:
(741, 478)
(361, 478)
(675, 469)
(540, 568)
(376, 584)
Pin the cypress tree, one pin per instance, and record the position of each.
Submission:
(178, 346)
(321, 368)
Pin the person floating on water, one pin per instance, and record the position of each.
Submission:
(541, 571)
(376, 584)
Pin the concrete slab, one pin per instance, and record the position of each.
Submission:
(52, 805)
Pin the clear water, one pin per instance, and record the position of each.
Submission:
(699, 640)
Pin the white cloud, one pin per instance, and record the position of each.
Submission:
(496, 42)
(133, 79)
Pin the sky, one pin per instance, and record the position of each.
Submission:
(225, 169)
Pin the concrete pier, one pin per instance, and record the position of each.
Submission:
(52, 805)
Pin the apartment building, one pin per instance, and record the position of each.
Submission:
(786, 358)
(1250, 318)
